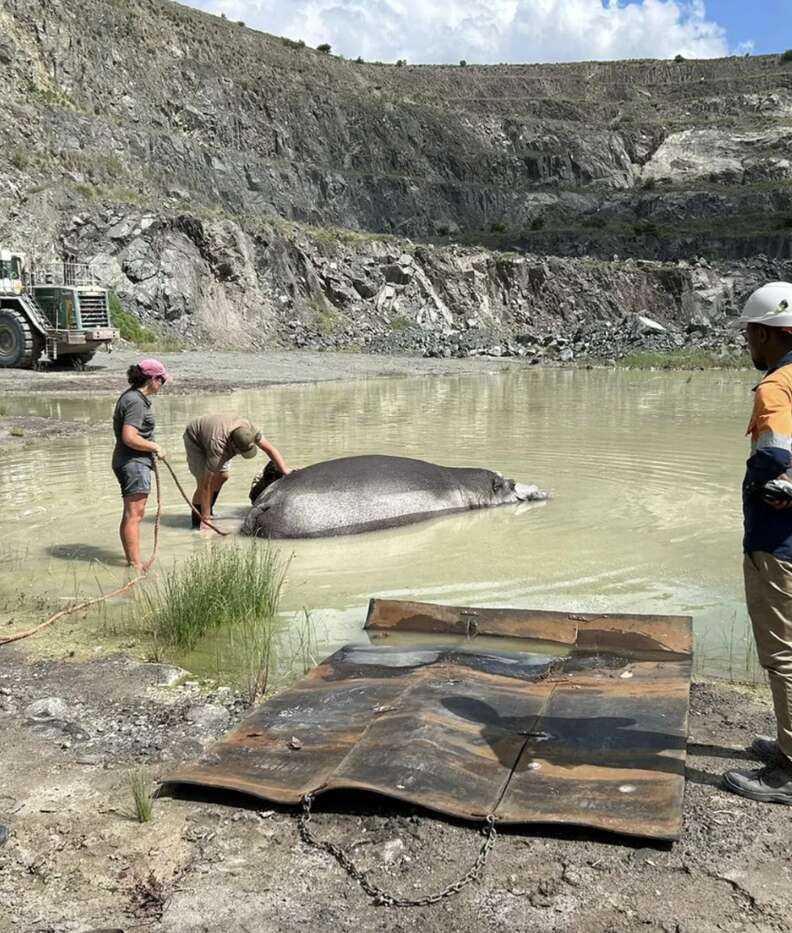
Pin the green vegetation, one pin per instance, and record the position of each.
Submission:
(679, 58)
(132, 330)
(129, 326)
(16, 432)
(683, 359)
(218, 587)
(646, 228)
(140, 788)
(19, 158)
(462, 63)
(538, 223)
(595, 222)
(3, 410)
(787, 56)
(325, 48)
(401, 323)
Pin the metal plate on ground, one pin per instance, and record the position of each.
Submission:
(534, 717)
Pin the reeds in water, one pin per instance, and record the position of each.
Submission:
(218, 587)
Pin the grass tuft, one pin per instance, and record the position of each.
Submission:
(218, 587)
(140, 788)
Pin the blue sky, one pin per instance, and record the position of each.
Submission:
(521, 30)
(766, 23)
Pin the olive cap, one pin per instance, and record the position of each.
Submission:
(244, 440)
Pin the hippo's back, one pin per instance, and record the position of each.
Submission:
(353, 494)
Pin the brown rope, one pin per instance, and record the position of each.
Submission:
(127, 586)
(98, 599)
(190, 502)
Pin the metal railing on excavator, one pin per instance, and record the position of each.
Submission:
(62, 274)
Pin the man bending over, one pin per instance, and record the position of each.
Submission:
(211, 442)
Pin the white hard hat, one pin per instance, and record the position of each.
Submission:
(770, 305)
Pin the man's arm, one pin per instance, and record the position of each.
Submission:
(771, 428)
(274, 454)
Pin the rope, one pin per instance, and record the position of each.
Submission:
(377, 893)
(127, 586)
(190, 502)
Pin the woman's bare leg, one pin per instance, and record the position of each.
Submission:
(134, 510)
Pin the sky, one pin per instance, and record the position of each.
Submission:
(485, 31)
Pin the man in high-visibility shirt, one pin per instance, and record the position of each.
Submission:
(767, 509)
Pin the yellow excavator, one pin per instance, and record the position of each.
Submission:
(60, 311)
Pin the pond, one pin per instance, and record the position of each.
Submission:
(644, 468)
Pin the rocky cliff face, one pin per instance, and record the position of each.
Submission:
(238, 187)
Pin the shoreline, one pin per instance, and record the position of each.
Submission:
(75, 859)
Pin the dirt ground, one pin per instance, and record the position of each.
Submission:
(223, 371)
(75, 860)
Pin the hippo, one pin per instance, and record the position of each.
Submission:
(356, 494)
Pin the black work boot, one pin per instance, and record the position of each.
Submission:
(771, 784)
(766, 749)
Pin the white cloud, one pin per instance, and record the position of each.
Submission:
(488, 30)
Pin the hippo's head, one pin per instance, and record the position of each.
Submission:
(486, 488)
(266, 477)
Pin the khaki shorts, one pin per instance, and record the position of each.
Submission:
(196, 458)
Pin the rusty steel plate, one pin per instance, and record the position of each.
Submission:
(471, 720)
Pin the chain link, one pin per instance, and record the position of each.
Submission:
(377, 893)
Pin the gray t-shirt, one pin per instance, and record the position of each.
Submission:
(134, 408)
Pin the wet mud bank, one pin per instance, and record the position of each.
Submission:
(75, 859)
(26, 430)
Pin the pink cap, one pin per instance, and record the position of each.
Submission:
(153, 368)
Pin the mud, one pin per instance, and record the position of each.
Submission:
(26, 430)
(76, 860)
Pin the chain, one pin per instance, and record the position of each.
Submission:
(375, 892)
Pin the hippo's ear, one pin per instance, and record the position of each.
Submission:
(501, 484)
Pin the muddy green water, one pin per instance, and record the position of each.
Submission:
(645, 469)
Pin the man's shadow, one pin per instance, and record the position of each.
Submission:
(596, 741)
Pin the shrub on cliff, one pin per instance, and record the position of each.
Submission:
(128, 325)
(646, 228)
(324, 47)
(787, 56)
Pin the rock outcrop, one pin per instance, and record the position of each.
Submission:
(241, 189)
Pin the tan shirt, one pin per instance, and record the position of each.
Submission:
(212, 433)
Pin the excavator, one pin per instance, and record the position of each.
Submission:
(59, 311)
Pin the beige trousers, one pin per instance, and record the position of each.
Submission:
(768, 594)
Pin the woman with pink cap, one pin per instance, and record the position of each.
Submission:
(133, 424)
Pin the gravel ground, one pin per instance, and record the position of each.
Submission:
(221, 371)
(75, 860)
